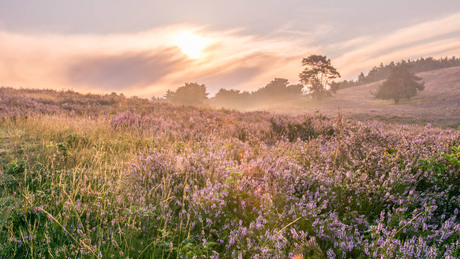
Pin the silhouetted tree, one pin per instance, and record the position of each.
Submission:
(169, 95)
(230, 98)
(227, 94)
(278, 89)
(402, 83)
(317, 75)
(361, 77)
(189, 94)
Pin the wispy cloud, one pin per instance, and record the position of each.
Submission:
(431, 38)
(126, 70)
(148, 63)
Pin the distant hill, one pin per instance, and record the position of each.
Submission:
(383, 71)
(438, 104)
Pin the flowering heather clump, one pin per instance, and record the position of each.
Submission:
(220, 184)
(362, 192)
(126, 120)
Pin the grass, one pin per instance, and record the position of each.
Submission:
(65, 142)
(61, 148)
(179, 182)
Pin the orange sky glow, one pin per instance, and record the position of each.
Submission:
(149, 62)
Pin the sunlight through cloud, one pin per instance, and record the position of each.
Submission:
(190, 44)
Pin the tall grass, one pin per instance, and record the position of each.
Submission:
(162, 181)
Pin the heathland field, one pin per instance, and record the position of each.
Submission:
(86, 176)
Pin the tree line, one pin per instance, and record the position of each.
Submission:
(316, 79)
(316, 83)
(278, 90)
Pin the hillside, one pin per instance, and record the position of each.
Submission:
(438, 104)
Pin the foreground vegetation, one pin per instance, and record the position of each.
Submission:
(88, 176)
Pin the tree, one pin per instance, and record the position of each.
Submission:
(401, 83)
(317, 75)
(230, 98)
(278, 89)
(189, 94)
(361, 77)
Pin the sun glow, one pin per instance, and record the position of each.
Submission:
(191, 44)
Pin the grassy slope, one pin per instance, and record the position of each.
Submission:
(438, 104)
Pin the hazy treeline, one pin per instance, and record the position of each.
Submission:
(278, 90)
(383, 71)
(316, 79)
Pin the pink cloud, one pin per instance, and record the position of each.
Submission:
(431, 38)
(147, 63)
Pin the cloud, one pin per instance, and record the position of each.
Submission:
(126, 70)
(230, 77)
(147, 63)
(431, 38)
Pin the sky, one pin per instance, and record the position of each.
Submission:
(144, 48)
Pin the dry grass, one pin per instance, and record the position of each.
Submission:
(72, 142)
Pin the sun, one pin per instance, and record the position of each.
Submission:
(190, 44)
